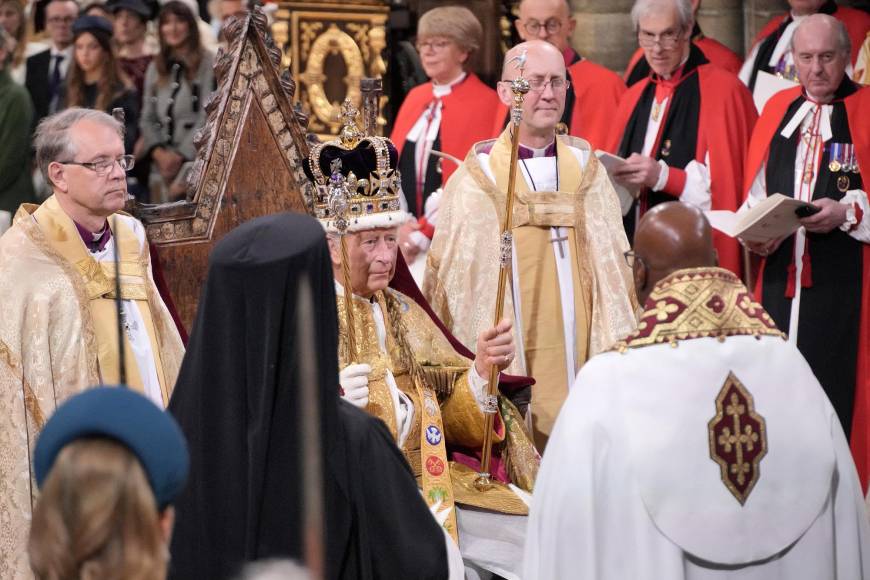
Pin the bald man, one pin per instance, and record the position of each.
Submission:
(699, 447)
(570, 292)
(771, 51)
(813, 143)
(594, 91)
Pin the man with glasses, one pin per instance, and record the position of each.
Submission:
(46, 70)
(699, 447)
(570, 293)
(716, 52)
(684, 129)
(594, 92)
(59, 331)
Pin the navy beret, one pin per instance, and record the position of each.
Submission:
(133, 421)
(92, 24)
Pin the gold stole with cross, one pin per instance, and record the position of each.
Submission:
(535, 212)
(99, 280)
(425, 446)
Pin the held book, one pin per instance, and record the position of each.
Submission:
(770, 219)
(611, 163)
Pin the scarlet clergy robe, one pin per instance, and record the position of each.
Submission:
(590, 104)
(716, 52)
(829, 285)
(466, 118)
(703, 131)
(857, 24)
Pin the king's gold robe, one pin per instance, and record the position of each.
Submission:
(434, 376)
(463, 265)
(58, 336)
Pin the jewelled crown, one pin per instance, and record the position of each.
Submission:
(356, 180)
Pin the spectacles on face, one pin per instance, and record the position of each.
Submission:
(631, 259)
(552, 26)
(104, 166)
(539, 85)
(435, 44)
(667, 39)
(61, 19)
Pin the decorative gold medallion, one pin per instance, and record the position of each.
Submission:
(808, 176)
(843, 183)
(561, 128)
(834, 166)
(738, 438)
(666, 148)
(656, 111)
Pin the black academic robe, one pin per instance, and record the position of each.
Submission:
(237, 401)
(833, 278)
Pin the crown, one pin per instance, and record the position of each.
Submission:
(357, 185)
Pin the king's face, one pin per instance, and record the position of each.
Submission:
(372, 257)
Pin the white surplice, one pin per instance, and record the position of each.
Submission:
(627, 488)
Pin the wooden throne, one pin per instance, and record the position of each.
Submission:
(248, 162)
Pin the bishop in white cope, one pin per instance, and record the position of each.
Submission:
(701, 446)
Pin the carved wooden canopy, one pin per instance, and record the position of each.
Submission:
(248, 161)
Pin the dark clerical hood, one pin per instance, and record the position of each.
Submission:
(237, 401)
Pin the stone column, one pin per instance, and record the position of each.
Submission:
(723, 21)
(604, 33)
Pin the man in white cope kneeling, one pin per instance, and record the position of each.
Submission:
(700, 446)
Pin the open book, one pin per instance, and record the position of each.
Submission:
(611, 163)
(770, 219)
(767, 85)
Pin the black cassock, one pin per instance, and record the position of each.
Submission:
(237, 402)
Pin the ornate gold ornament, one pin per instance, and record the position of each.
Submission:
(738, 438)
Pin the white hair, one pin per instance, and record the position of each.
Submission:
(641, 8)
(52, 139)
(844, 43)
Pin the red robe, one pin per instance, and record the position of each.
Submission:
(597, 91)
(466, 117)
(857, 106)
(716, 52)
(726, 118)
(857, 24)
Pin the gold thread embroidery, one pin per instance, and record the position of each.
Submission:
(698, 303)
(738, 438)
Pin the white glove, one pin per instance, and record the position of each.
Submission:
(439, 514)
(354, 381)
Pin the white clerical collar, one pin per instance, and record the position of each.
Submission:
(446, 89)
(545, 151)
(807, 108)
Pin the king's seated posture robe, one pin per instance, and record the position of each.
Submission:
(59, 335)
(428, 395)
(570, 291)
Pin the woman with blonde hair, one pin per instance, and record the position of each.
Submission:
(449, 114)
(13, 19)
(109, 464)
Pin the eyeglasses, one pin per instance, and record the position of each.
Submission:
(103, 167)
(552, 26)
(539, 85)
(631, 258)
(667, 39)
(436, 45)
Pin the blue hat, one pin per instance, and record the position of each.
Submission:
(96, 25)
(129, 418)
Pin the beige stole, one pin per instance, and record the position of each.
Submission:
(535, 212)
(425, 447)
(99, 280)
